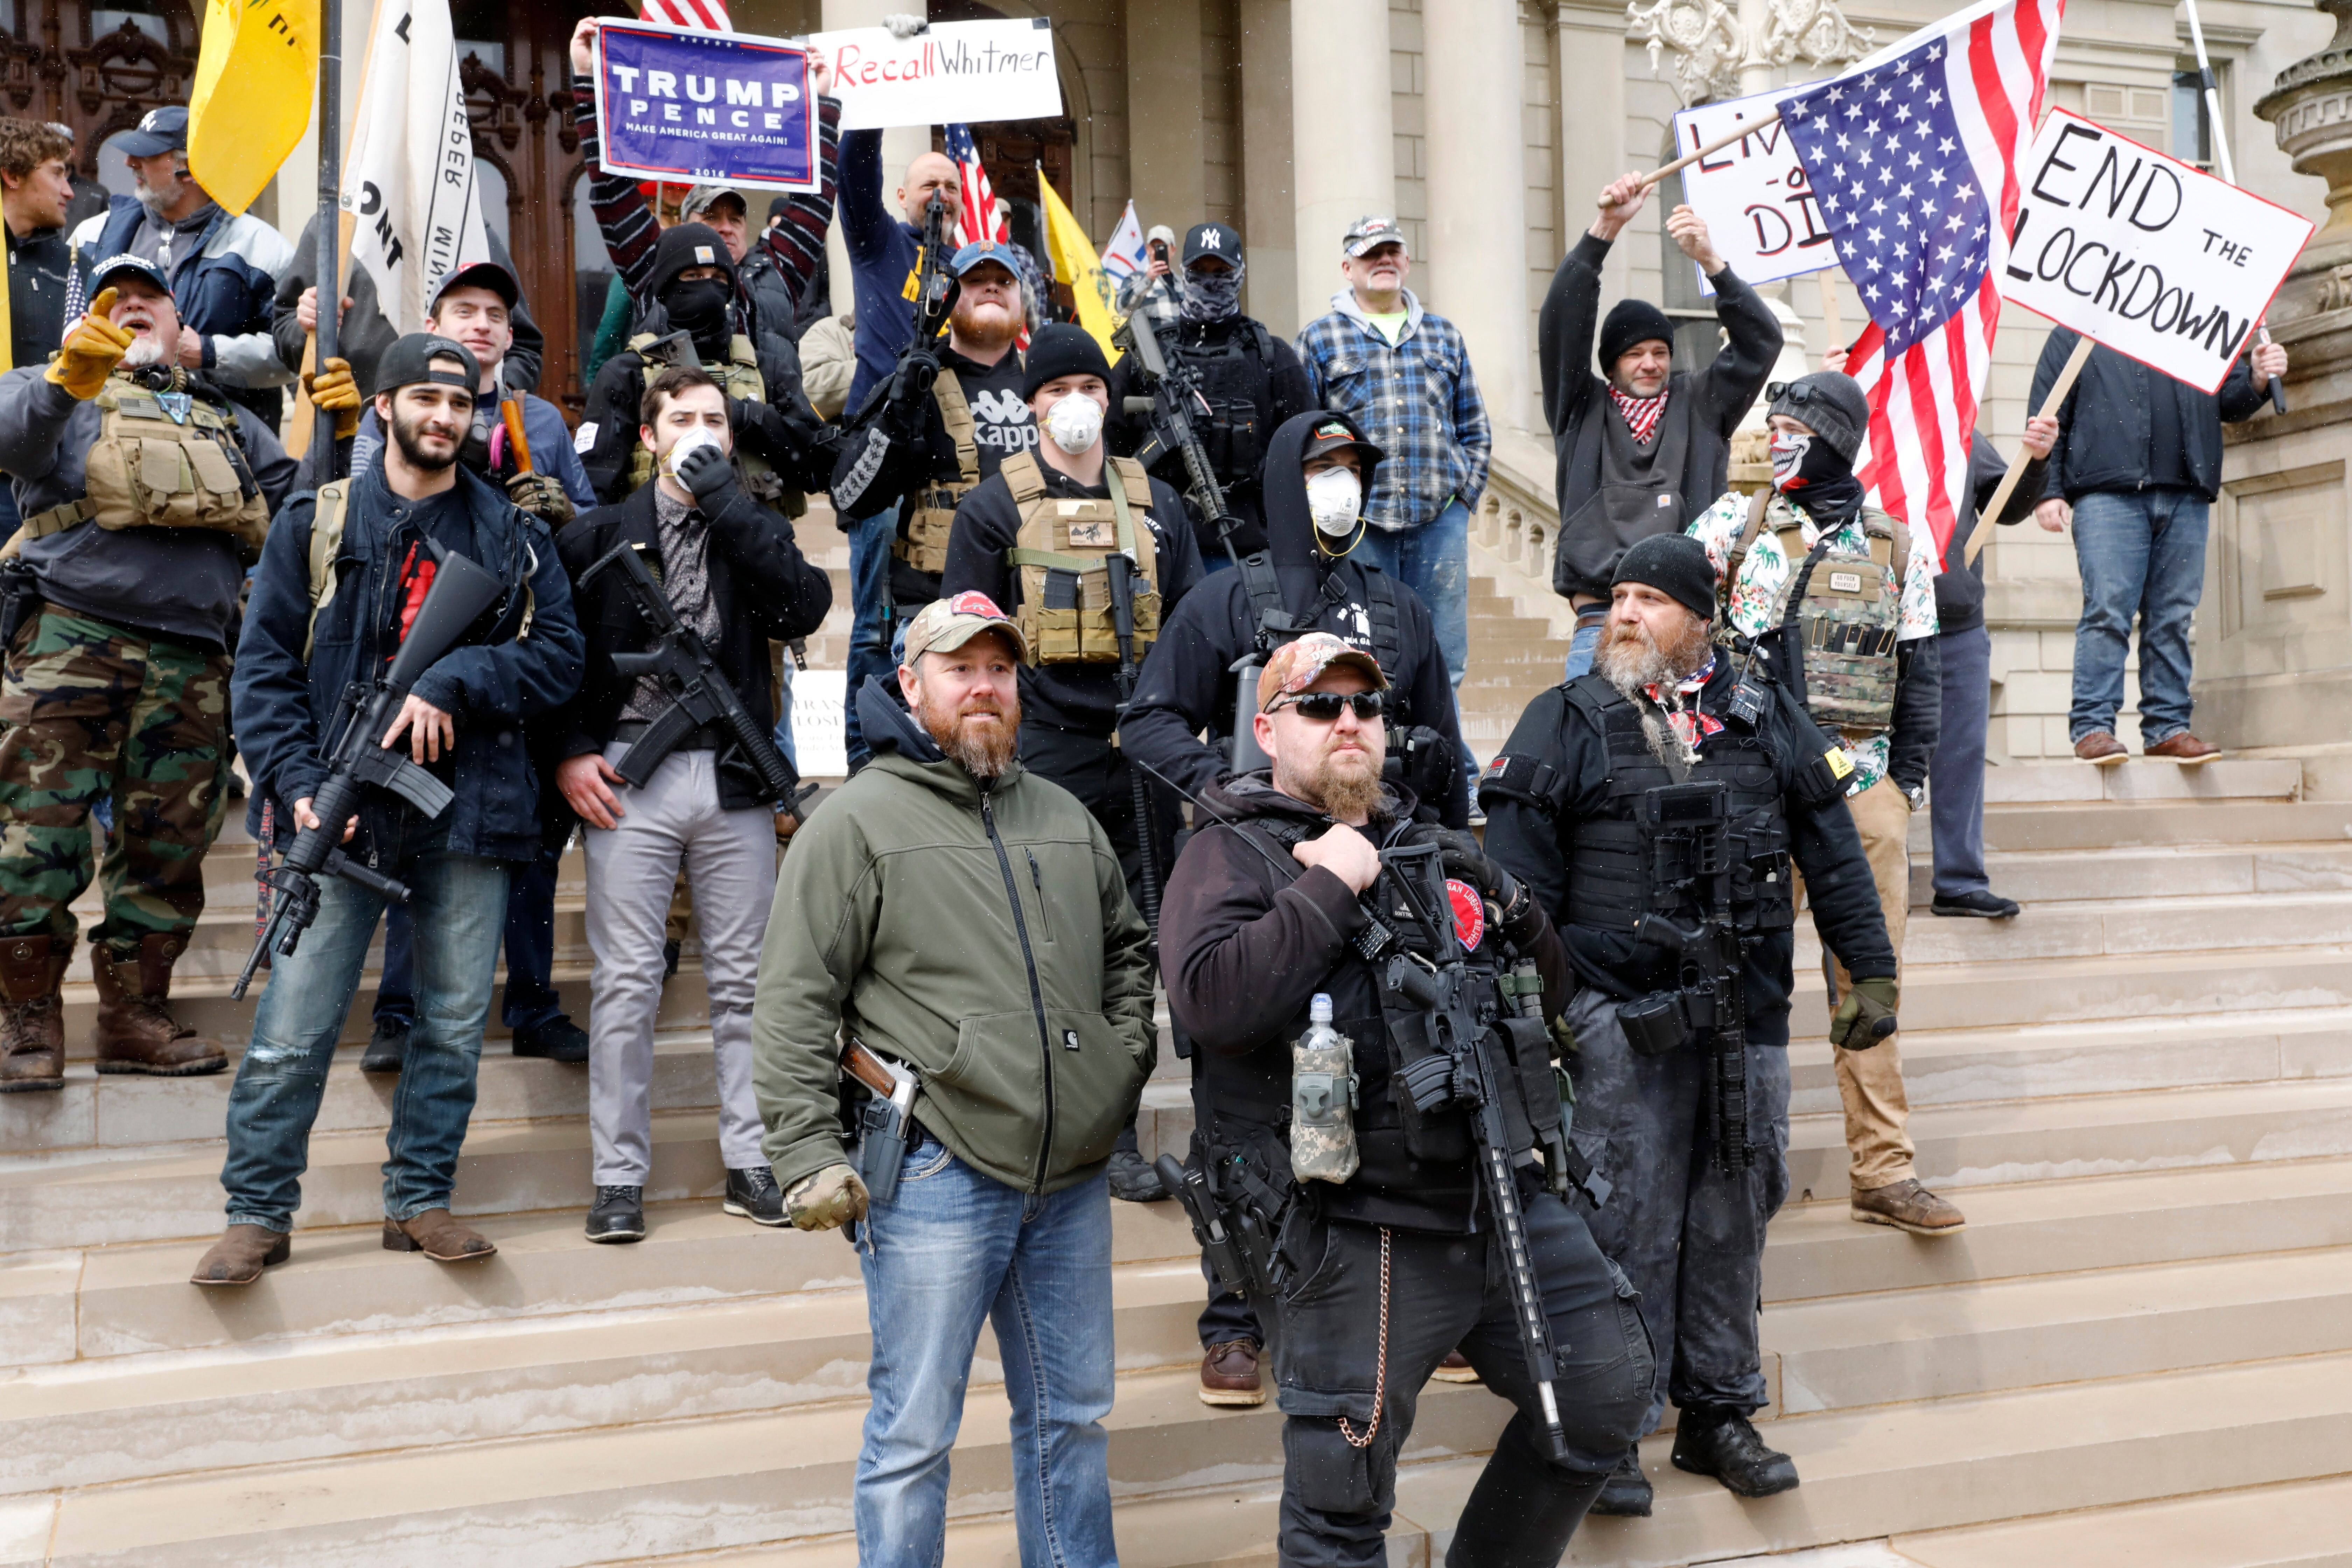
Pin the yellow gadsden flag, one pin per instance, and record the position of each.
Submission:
(257, 75)
(1075, 263)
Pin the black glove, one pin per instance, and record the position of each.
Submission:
(1463, 857)
(910, 383)
(706, 470)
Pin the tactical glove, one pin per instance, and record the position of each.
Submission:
(831, 1198)
(1464, 858)
(704, 470)
(541, 495)
(93, 346)
(334, 390)
(1866, 1015)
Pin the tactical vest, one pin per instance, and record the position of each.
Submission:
(1612, 879)
(162, 461)
(738, 376)
(1838, 629)
(1264, 594)
(922, 541)
(1066, 613)
(1236, 381)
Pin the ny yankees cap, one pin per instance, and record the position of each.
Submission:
(163, 129)
(1212, 239)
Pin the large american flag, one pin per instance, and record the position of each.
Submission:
(1912, 155)
(705, 15)
(983, 217)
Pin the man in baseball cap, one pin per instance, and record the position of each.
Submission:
(946, 625)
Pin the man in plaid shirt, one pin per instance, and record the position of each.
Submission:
(1403, 375)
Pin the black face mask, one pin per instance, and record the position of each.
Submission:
(1817, 479)
(698, 309)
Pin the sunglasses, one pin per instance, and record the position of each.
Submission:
(1323, 707)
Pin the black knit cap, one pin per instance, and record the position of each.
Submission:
(1675, 565)
(684, 245)
(1830, 404)
(1631, 322)
(1059, 350)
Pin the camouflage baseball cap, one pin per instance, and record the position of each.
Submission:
(946, 625)
(1295, 665)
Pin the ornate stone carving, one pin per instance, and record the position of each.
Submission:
(2310, 111)
(1812, 33)
(1706, 38)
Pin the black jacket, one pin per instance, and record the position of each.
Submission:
(364, 331)
(493, 683)
(1188, 684)
(1080, 697)
(1961, 591)
(765, 589)
(2127, 428)
(1702, 409)
(39, 265)
(1531, 841)
(1246, 941)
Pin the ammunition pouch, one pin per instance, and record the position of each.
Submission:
(1066, 613)
(922, 541)
(162, 461)
(1656, 1025)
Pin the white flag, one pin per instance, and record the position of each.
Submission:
(1124, 254)
(409, 182)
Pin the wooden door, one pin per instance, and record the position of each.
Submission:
(60, 61)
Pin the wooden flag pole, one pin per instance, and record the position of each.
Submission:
(2057, 394)
(1718, 145)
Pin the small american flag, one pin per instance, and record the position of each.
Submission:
(1912, 155)
(704, 16)
(983, 216)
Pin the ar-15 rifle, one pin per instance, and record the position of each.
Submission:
(701, 695)
(1120, 569)
(358, 757)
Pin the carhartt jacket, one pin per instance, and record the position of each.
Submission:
(983, 937)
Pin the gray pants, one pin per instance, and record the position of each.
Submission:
(1690, 1238)
(731, 858)
(1956, 773)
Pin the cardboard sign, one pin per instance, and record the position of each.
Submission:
(693, 108)
(2152, 257)
(969, 71)
(1758, 204)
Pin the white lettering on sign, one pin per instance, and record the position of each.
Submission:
(2148, 256)
(1758, 206)
(951, 72)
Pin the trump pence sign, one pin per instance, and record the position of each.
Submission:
(694, 108)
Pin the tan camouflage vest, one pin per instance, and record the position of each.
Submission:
(739, 378)
(1848, 617)
(1065, 609)
(922, 541)
(149, 468)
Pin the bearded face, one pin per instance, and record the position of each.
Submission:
(978, 733)
(1632, 658)
(985, 323)
(1334, 766)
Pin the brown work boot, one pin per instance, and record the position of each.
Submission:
(1455, 1368)
(136, 1031)
(1907, 1206)
(2101, 750)
(1229, 1374)
(240, 1254)
(32, 1018)
(2183, 748)
(437, 1236)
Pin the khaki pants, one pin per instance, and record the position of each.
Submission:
(1870, 1083)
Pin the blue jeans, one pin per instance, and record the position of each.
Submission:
(954, 1247)
(532, 1002)
(1434, 561)
(869, 592)
(1580, 649)
(2141, 554)
(457, 906)
(1956, 773)
(784, 742)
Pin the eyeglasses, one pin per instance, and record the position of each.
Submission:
(1323, 707)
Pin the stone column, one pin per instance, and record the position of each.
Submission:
(1165, 170)
(1269, 235)
(1478, 193)
(1593, 57)
(1342, 140)
(901, 145)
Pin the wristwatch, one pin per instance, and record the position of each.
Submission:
(1917, 796)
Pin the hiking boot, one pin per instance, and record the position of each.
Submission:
(241, 1254)
(32, 1017)
(386, 1046)
(752, 1195)
(136, 1032)
(560, 1040)
(1455, 1368)
(1983, 904)
(2183, 748)
(617, 1214)
(1229, 1374)
(437, 1236)
(1723, 1444)
(1626, 1493)
(2102, 750)
(1907, 1205)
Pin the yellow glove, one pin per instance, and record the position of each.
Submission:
(333, 389)
(93, 347)
(831, 1197)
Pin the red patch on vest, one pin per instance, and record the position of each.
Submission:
(1469, 913)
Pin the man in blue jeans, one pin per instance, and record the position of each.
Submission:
(462, 720)
(2136, 466)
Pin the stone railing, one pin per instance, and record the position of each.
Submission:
(1517, 529)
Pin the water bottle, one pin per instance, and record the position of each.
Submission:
(1322, 1099)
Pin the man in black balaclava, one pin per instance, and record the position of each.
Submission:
(1251, 379)
(691, 318)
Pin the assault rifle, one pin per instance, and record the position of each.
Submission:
(1120, 569)
(701, 696)
(358, 757)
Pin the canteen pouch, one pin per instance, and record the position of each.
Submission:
(1323, 1106)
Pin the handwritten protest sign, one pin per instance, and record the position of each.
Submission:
(968, 72)
(1758, 204)
(705, 108)
(2151, 256)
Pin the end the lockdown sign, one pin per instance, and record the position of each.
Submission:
(695, 107)
(2147, 256)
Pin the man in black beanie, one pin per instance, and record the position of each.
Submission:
(1666, 719)
(1644, 447)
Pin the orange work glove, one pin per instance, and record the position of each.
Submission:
(92, 348)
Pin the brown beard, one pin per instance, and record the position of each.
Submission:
(984, 754)
(993, 331)
(1340, 795)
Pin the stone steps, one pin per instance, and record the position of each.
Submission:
(2307, 1524)
(2119, 927)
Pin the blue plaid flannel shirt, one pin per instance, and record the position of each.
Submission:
(1417, 400)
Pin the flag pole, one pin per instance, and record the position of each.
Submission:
(2050, 402)
(1710, 150)
(331, 182)
(2212, 85)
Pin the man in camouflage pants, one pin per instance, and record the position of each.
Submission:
(143, 491)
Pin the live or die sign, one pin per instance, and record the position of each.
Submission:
(1758, 204)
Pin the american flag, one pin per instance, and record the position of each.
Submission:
(1913, 156)
(704, 16)
(983, 217)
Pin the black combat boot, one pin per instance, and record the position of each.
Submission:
(1723, 1444)
(1626, 1493)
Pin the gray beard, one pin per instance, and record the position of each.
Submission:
(143, 350)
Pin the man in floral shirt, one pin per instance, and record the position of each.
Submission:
(1866, 664)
